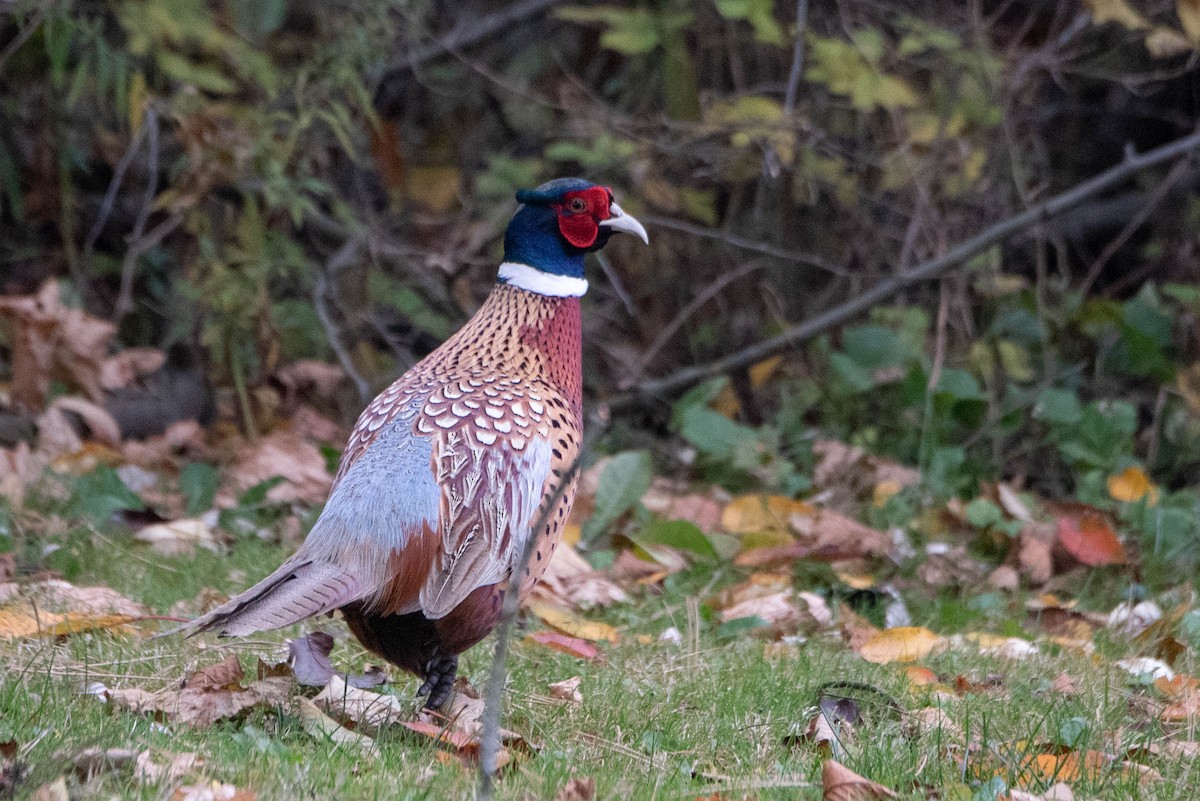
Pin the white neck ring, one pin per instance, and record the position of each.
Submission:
(523, 276)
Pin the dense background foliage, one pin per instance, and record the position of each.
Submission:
(244, 184)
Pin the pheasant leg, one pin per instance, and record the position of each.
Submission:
(439, 681)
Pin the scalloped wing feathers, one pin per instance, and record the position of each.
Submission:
(442, 478)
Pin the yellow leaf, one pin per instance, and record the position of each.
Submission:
(572, 624)
(727, 403)
(753, 513)
(1131, 485)
(902, 644)
(1189, 18)
(855, 581)
(79, 622)
(883, 491)
(139, 94)
(1117, 11)
(571, 533)
(1164, 42)
(16, 621)
(761, 372)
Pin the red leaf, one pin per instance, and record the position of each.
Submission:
(1091, 540)
(568, 645)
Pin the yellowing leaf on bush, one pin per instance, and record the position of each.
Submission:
(1091, 540)
(1117, 11)
(883, 491)
(1164, 42)
(1189, 18)
(572, 624)
(756, 512)
(1131, 485)
(901, 644)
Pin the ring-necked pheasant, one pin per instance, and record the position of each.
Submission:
(447, 469)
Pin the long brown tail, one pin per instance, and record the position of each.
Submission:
(297, 590)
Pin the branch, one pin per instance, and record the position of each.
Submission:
(793, 82)
(923, 272)
(461, 37)
(741, 242)
(129, 263)
(323, 292)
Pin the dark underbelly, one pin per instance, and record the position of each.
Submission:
(412, 641)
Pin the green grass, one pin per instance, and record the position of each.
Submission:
(658, 721)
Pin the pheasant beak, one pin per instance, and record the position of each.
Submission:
(620, 221)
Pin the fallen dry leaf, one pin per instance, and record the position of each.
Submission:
(52, 791)
(20, 467)
(1064, 684)
(932, 721)
(1132, 619)
(51, 339)
(668, 502)
(572, 624)
(577, 789)
(56, 608)
(1131, 485)
(754, 513)
(141, 765)
(570, 581)
(207, 700)
(1090, 539)
(567, 644)
(99, 422)
(121, 370)
(839, 783)
(62, 596)
(1144, 667)
(567, 690)
(286, 453)
(213, 791)
(179, 536)
(853, 469)
(459, 725)
(323, 727)
(311, 377)
(1035, 552)
(359, 706)
(903, 644)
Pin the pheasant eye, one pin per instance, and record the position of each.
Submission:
(577, 204)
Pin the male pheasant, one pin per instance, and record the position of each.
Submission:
(449, 468)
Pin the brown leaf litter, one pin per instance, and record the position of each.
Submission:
(211, 694)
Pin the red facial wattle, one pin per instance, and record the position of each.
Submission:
(579, 214)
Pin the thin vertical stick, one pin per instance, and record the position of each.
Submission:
(793, 84)
(489, 735)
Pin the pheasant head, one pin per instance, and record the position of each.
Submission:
(556, 225)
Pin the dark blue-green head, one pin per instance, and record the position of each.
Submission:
(558, 223)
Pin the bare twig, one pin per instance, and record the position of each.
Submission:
(1156, 197)
(741, 242)
(928, 270)
(342, 258)
(614, 279)
(489, 734)
(31, 25)
(670, 329)
(110, 197)
(466, 35)
(132, 254)
(793, 83)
